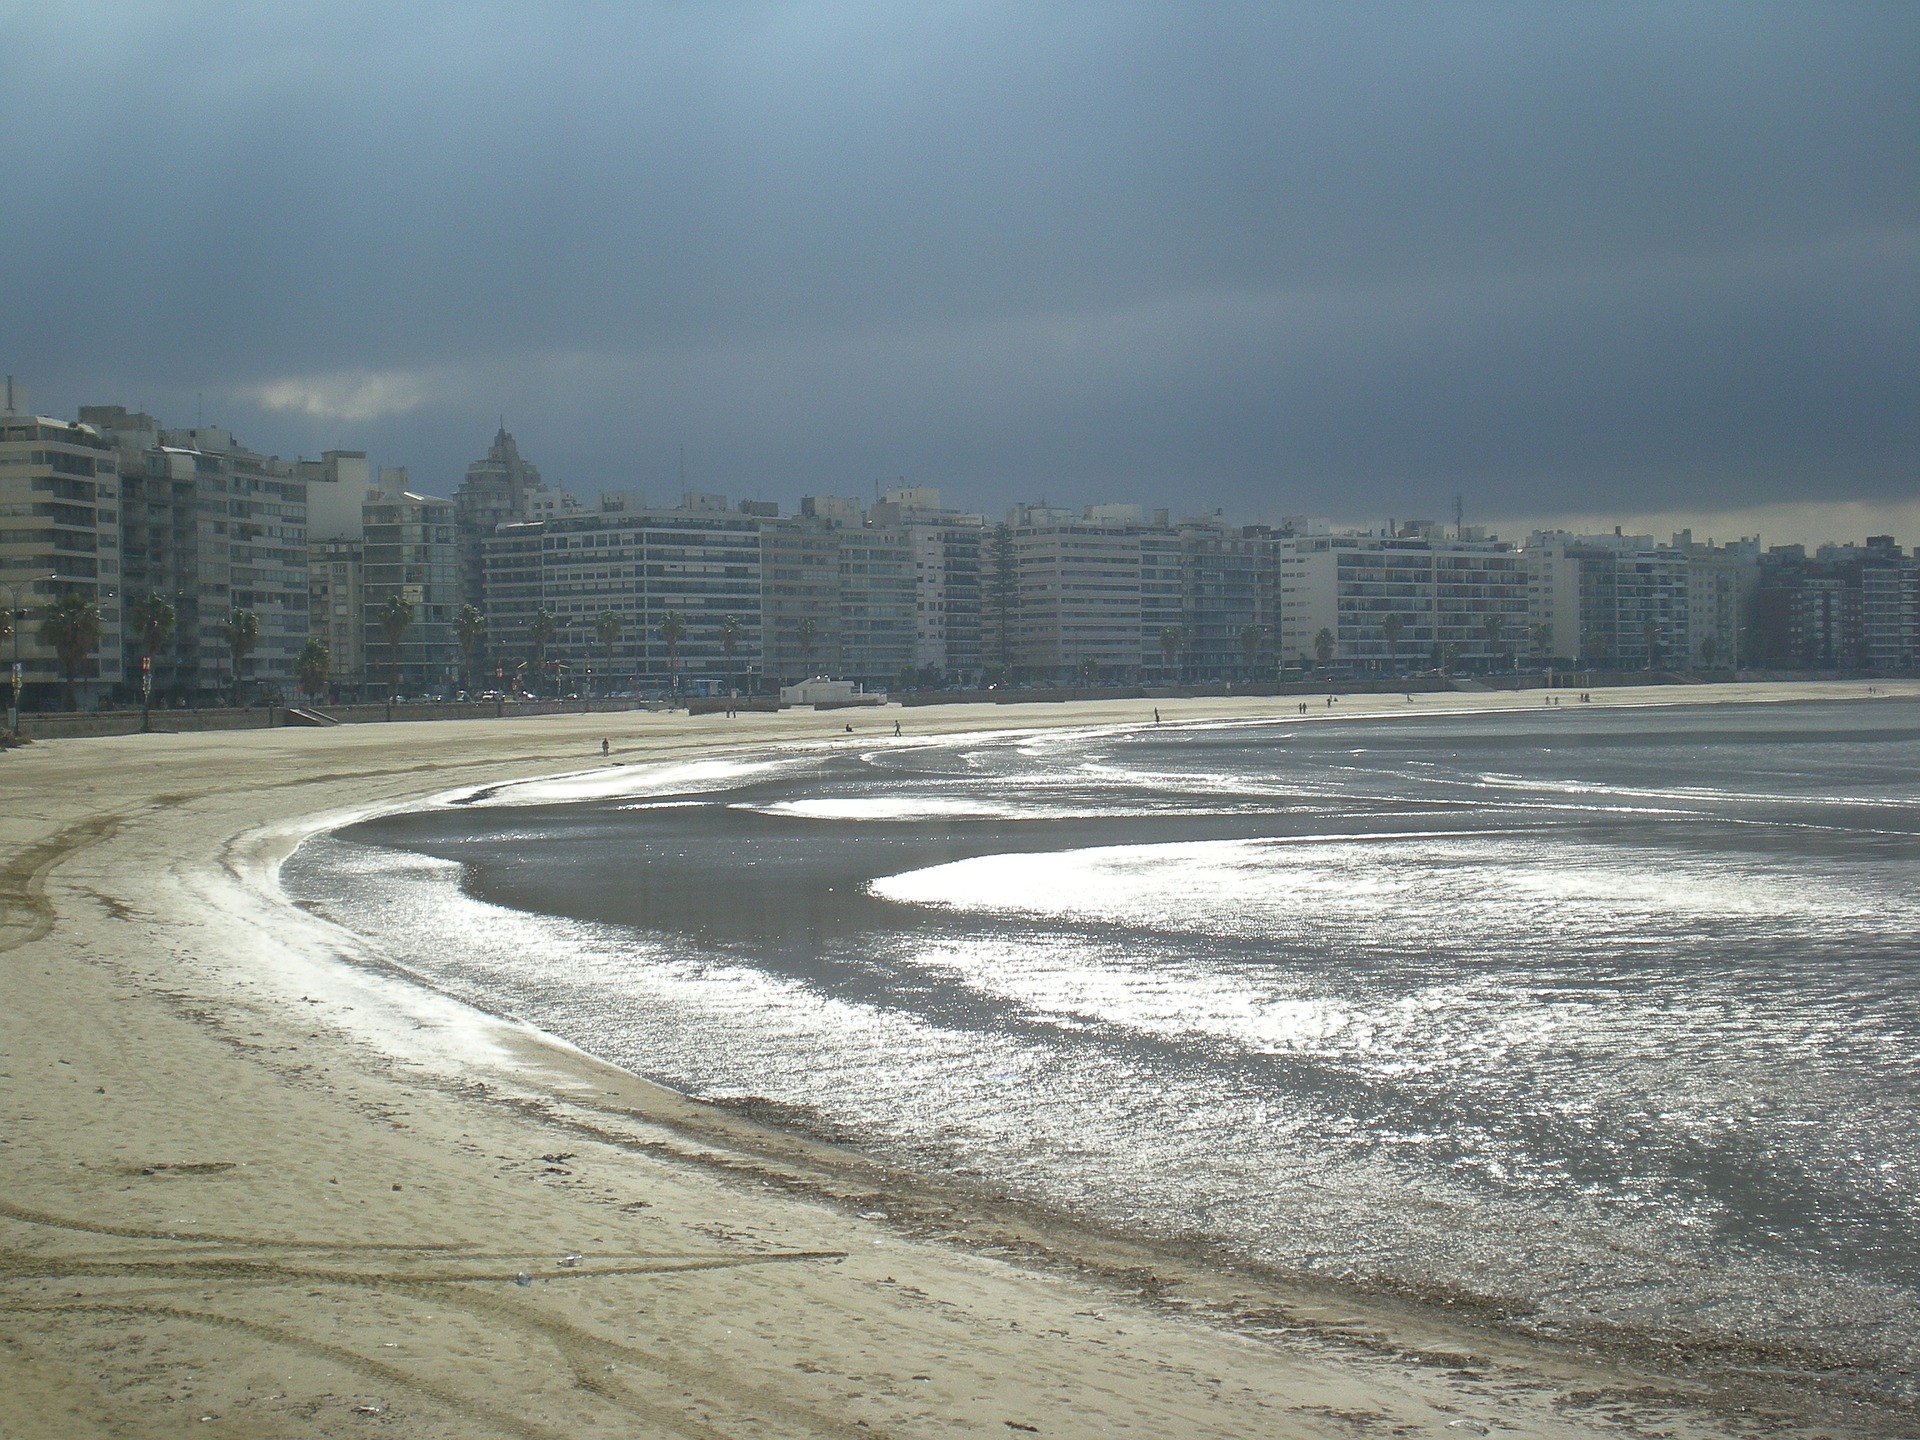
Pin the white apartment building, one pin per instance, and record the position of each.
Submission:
(337, 487)
(1079, 591)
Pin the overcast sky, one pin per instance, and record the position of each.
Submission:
(1341, 259)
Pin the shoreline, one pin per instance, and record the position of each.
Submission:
(150, 951)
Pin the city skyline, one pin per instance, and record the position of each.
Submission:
(263, 566)
(1653, 264)
(1809, 523)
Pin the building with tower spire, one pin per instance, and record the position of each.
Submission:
(498, 489)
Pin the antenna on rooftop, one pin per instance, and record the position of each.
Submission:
(1459, 514)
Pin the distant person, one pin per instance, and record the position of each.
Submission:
(605, 748)
(896, 728)
(1156, 714)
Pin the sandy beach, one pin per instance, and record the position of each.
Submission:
(258, 1183)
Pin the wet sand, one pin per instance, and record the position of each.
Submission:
(252, 1175)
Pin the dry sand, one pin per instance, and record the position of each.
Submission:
(253, 1184)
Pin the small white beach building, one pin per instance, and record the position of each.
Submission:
(822, 691)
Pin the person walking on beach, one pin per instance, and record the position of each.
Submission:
(896, 729)
(1156, 714)
(605, 748)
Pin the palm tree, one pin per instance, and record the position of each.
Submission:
(1170, 642)
(807, 633)
(72, 628)
(672, 630)
(1491, 627)
(607, 626)
(152, 617)
(1542, 640)
(1449, 657)
(241, 630)
(1089, 669)
(732, 632)
(313, 666)
(395, 618)
(468, 625)
(1323, 646)
(1390, 626)
(540, 631)
(1709, 651)
(1593, 647)
(1650, 632)
(1250, 638)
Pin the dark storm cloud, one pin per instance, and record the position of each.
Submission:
(1317, 258)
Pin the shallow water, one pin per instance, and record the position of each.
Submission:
(1613, 1014)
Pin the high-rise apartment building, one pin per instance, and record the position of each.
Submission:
(1622, 602)
(1847, 607)
(1413, 597)
(1889, 606)
(1165, 652)
(59, 536)
(698, 563)
(161, 522)
(410, 554)
(800, 595)
(254, 559)
(876, 603)
(338, 610)
(945, 550)
(1078, 605)
(215, 528)
(1222, 568)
